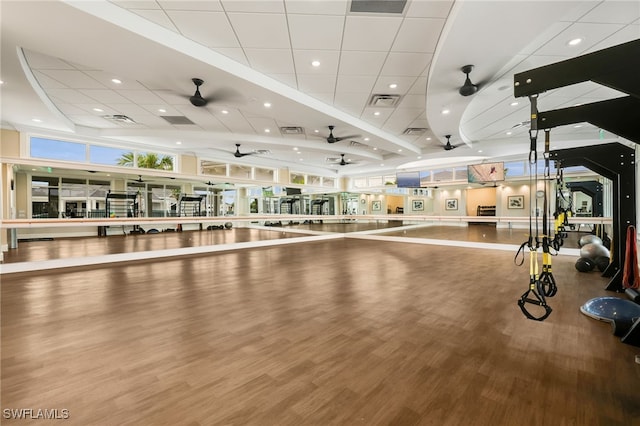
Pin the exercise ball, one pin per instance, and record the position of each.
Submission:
(585, 264)
(602, 262)
(228, 225)
(593, 250)
(589, 239)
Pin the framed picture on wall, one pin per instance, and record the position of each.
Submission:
(451, 204)
(515, 202)
(418, 205)
(376, 206)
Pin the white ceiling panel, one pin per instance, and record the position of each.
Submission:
(361, 84)
(73, 79)
(261, 30)
(407, 64)
(361, 63)
(158, 17)
(105, 78)
(412, 101)
(105, 96)
(253, 6)
(558, 46)
(39, 61)
(69, 109)
(47, 82)
(70, 96)
(141, 96)
(271, 61)
(316, 32)
(428, 9)
(317, 84)
(419, 87)
(370, 33)
(208, 28)
(129, 109)
(288, 79)
(210, 5)
(613, 12)
(235, 53)
(317, 7)
(418, 35)
(628, 33)
(328, 61)
(326, 97)
(136, 4)
(403, 83)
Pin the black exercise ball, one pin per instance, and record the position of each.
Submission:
(602, 262)
(584, 264)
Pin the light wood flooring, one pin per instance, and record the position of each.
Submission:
(339, 332)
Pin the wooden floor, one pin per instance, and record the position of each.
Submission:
(340, 332)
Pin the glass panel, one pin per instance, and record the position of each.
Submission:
(515, 169)
(313, 180)
(153, 160)
(328, 182)
(360, 183)
(213, 168)
(390, 180)
(267, 175)
(460, 173)
(442, 175)
(44, 197)
(243, 172)
(425, 177)
(109, 156)
(58, 150)
(297, 178)
(375, 181)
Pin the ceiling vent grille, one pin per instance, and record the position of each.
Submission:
(292, 130)
(119, 118)
(384, 101)
(261, 151)
(378, 6)
(414, 131)
(177, 119)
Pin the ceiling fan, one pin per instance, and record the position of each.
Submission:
(227, 95)
(333, 139)
(340, 161)
(448, 146)
(239, 154)
(139, 180)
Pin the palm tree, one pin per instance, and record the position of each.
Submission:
(149, 160)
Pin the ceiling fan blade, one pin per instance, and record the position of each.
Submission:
(341, 138)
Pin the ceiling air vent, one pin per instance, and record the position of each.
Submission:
(119, 118)
(414, 131)
(378, 6)
(177, 119)
(292, 130)
(384, 101)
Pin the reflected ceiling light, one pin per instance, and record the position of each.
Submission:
(267, 130)
(98, 110)
(224, 111)
(366, 139)
(468, 88)
(315, 63)
(376, 113)
(267, 104)
(162, 110)
(574, 42)
(178, 143)
(295, 148)
(393, 86)
(37, 120)
(514, 103)
(445, 111)
(116, 81)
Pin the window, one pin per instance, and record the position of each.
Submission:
(297, 178)
(313, 180)
(44, 197)
(267, 175)
(58, 150)
(108, 156)
(242, 172)
(328, 182)
(214, 169)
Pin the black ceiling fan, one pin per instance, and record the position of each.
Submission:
(343, 162)
(333, 139)
(139, 180)
(448, 146)
(197, 99)
(239, 154)
(468, 88)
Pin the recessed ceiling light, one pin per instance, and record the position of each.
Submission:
(366, 139)
(316, 131)
(479, 150)
(301, 159)
(298, 152)
(375, 149)
(509, 133)
(399, 150)
(577, 126)
(445, 111)
(428, 139)
(574, 42)
(116, 81)
(295, 148)
(514, 103)
(267, 105)
(376, 113)
(315, 63)
(37, 120)
(381, 164)
(267, 130)
(393, 86)
(178, 143)
(98, 110)
(224, 111)
(1, 82)
(419, 157)
(162, 110)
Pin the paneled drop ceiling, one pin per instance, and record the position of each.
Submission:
(382, 78)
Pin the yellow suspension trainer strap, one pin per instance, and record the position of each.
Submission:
(547, 281)
(535, 294)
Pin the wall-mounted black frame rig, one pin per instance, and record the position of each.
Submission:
(615, 67)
